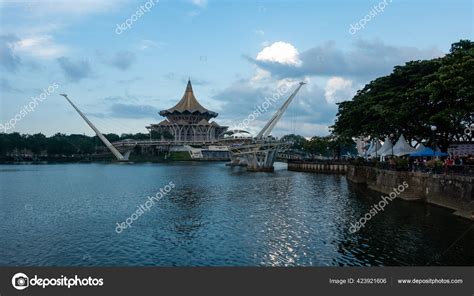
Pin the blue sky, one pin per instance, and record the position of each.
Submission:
(235, 52)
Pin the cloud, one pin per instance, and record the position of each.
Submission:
(121, 60)
(259, 32)
(309, 109)
(75, 70)
(132, 111)
(366, 59)
(200, 3)
(149, 44)
(338, 89)
(113, 99)
(184, 79)
(281, 53)
(261, 74)
(42, 46)
(5, 87)
(8, 58)
(130, 81)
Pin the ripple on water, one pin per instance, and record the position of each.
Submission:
(65, 215)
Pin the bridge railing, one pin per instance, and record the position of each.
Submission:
(319, 161)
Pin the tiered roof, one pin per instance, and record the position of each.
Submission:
(188, 105)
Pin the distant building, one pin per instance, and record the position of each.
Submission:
(188, 121)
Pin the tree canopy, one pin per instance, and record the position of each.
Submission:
(58, 144)
(414, 97)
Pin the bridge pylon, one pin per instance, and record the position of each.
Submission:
(260, 154)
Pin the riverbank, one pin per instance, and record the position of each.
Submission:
(450, 191)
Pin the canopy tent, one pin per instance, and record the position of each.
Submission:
(427, 152)
(402, 147)
(360, 145)
(420, 147)
(374, 146)
(386, 148)
(367, 149)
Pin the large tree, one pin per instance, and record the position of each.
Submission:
(413, 98)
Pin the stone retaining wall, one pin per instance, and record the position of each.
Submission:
(450, 191)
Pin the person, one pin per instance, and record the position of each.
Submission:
(448, 163)
(457, 161)
(392, 163)
(411, 163)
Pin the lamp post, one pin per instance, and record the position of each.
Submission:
(433, 129)
(391, 137)
(376, 142)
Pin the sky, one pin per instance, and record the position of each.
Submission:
(123, 61)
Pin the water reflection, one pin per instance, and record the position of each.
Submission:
(215, 216)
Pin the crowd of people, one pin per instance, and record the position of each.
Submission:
(448, 164)
(439, 165)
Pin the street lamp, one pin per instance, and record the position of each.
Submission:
(376, 142)
(433, 129)
(391, 137)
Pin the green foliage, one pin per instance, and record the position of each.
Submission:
(401, 163)
(179, 155)
(165, 135)
(434, 164)
(58, 144)
(414, 97)
(298, 141)
(318, 146)
(329, 146)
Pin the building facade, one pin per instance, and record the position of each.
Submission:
(189, 121)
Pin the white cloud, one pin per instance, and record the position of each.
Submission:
(280, 52)
(259, 32)
(200, 3)
(42, 46)
(365, 61)
(260, 75)
(148, 44)
(338, 89)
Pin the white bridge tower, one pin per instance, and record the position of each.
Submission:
(260, 154)
(107, 143)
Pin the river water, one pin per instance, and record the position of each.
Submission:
(67, 215)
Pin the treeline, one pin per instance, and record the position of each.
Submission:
(328, 146)
(61, 144)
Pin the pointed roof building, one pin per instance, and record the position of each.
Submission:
(188, 121)
(188, 105)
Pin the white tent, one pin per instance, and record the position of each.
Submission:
(402, 147)
(420, 147)
(374, 146)
(360, 143)
(386, 148)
